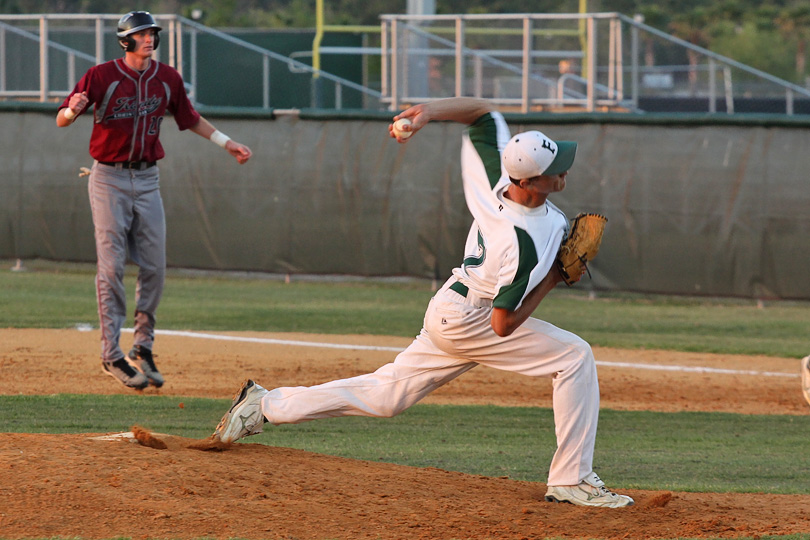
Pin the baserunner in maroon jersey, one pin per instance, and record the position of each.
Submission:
(130, 97)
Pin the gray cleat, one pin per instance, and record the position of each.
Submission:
(125, 374)
(142, 359)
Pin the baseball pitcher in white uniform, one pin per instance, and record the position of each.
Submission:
(482, 314)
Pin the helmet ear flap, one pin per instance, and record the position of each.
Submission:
(127, 43)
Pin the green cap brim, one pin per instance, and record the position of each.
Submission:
(566, 152)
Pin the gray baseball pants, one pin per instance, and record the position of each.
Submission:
(128, 216)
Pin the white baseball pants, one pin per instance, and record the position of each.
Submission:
(456, 337)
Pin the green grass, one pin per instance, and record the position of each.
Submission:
(54, 295)
(641, 450)
(61, 296)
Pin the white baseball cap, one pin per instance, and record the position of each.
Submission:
(531, 154)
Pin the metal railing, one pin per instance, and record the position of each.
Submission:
(483, 49)
(589, 61)
(175, 30)
(516, 57)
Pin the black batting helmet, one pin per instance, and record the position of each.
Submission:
(132, 22)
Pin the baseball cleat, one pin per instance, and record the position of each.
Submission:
(123, 373)
(245, 417)
(590, 492)
(806, 378)
(142, 359)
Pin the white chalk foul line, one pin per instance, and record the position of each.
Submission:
(271, 341)
(697, 369)
(654, 367)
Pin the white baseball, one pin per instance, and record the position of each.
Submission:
(398, 125)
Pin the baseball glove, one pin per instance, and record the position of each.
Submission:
(580, 246)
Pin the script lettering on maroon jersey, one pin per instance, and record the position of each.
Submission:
(129, 107)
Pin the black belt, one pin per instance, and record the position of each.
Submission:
(460, 288)
(139, 165)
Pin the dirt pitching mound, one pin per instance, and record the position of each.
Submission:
(146, 438)
(78, 485)
(209, 444)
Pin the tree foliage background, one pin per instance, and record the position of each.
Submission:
(771, 35)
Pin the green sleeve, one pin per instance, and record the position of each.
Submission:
(484, 137)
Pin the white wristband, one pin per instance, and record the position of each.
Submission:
(69, 114)
(217, 137)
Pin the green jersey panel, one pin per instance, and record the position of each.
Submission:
(510, 296)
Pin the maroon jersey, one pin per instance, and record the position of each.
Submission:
(129, 108)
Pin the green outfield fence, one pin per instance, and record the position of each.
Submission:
(698, 204)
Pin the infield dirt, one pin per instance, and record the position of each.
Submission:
(74, 485)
